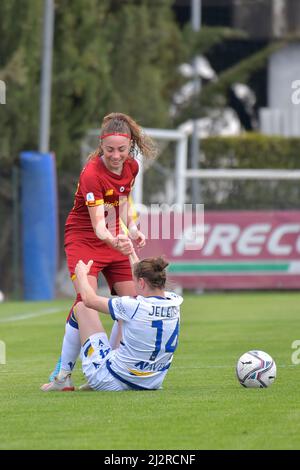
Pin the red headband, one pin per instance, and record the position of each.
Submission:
(114, 133)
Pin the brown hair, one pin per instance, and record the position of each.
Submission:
(153, 271)
(121, 123)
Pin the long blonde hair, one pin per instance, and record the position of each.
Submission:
(122, 123)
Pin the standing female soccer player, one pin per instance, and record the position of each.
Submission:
(150, 330)
(93, 228)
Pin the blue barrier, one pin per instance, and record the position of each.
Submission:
(39, 225)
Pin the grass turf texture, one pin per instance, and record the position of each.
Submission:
(202, 405)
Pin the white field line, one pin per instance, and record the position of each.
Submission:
(25, 316)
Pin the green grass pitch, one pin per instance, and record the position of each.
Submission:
(202, 406)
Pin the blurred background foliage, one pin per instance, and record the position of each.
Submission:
(109, 55)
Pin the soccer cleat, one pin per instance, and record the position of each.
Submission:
(56, 370)
(59, 384)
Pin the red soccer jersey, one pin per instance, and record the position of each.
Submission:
(98, 185)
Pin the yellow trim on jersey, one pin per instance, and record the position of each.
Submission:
(140, 373)
(73, 277)
(98, 202)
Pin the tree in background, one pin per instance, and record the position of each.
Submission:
(20, 50)
(145, 48)
(80, 75)
(109, 55)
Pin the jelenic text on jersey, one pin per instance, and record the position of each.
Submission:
(164, 312)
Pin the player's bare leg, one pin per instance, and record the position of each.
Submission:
(89, 325)
(61, 380)
(88, 321)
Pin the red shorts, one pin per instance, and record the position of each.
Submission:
(114, 266)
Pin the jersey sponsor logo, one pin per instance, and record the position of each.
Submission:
(146, 368)
(109, 192)
(112, 204)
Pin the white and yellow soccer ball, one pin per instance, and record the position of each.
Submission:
(256, 369)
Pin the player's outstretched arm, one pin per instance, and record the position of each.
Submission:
(121, 244)
(88, 295)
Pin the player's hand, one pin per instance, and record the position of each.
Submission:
(83, 269)
(138, 237)
(123, 244)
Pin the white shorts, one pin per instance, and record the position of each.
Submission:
(94, 354)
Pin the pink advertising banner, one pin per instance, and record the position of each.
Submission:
(229, 250)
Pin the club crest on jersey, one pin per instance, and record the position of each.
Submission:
(122, 189)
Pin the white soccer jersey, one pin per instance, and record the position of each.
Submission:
(150, 333)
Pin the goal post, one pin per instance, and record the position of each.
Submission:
(236, 174)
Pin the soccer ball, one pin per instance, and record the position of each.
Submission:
(1, 296)
(256, 369)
